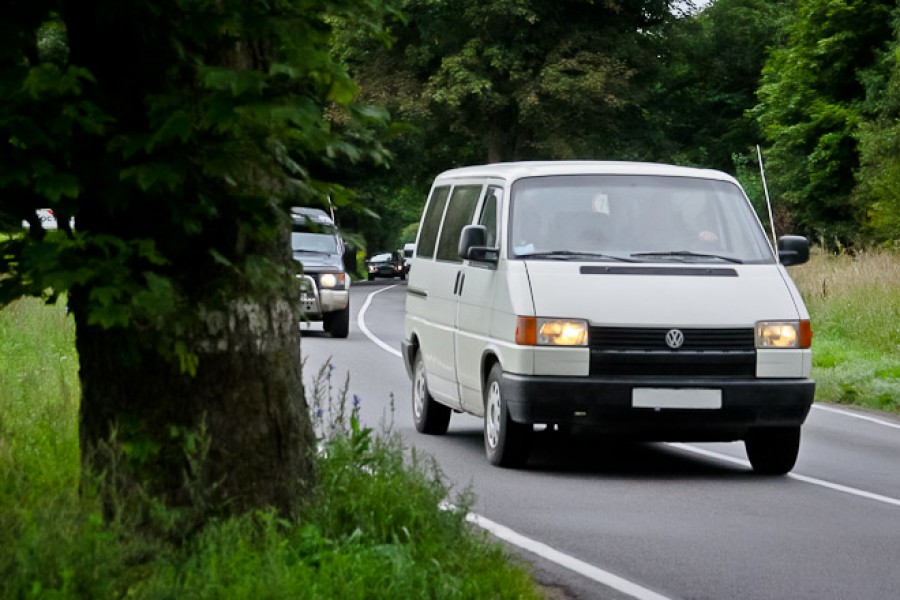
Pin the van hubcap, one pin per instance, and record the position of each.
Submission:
(419, 391)
(492, 415)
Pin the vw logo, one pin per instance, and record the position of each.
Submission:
(674, 338)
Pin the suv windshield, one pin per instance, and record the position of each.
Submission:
(635, 218)
(303, 240)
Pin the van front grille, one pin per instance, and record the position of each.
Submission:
(635, 352)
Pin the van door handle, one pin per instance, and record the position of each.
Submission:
(456, 283)
(462, 281)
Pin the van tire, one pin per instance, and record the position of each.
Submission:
(337, 323)
(506, 442)
(429, 415)
(773, 450)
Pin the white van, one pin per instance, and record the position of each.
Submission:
(630, 299)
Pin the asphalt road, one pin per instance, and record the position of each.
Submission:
(604, 520)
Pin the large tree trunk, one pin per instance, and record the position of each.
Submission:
(141, 410)
(246, 400)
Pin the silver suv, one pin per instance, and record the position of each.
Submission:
(318, 246)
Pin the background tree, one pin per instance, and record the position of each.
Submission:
(477, 81)
(810, 108)
(177, 135)
(878, 178)
(524, 79)
(711, 70)
(640, 80)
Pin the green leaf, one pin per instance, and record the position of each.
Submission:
(154, 177)
(56, 186)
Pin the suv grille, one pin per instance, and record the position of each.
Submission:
(621, 351)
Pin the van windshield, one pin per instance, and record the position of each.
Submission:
(635, 218)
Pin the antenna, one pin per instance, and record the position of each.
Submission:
(762, 171)
(331, 208)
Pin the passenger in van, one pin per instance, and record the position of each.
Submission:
(664, 227)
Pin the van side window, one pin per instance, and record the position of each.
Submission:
(490, 212)
(432, 222)
(459, 214)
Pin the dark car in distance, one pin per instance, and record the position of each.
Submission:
(386, 264)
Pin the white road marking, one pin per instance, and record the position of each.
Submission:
(544, 551)
(564, 560)
(590, 571)
(854, 415)
(361, 322)
(804, 478)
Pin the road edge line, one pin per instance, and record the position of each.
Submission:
(361, 322)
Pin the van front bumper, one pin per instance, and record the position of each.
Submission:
(606, 404)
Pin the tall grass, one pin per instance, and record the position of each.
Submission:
(373, 529)
(854, 302)
(52, 539)
(39, 390)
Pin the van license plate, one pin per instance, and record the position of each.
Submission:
(676, 398)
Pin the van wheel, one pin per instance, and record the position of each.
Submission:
(337, 323)
(773, 450)
(430, 416)
(506, 442)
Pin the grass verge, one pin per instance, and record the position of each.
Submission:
(373, 529)
(854, 302)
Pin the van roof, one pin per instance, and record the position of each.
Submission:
(511, 171)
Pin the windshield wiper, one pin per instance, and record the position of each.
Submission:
(307, 251)
(568, 254)
(689, 254)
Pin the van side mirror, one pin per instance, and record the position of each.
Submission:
(793, 250)
(472, 244)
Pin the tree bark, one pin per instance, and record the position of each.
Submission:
(246, 398)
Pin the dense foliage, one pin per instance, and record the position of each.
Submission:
(811, 81)
(177, 134)
(813, 102)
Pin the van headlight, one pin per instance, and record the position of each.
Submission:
(540, 331)
(783, 334)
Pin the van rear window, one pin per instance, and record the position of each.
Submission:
(459, 214)
(431, 223)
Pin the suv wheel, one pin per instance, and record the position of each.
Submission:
(337, 323)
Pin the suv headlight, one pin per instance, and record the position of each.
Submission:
(783, 334)
(332, 280)
(540, 331)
